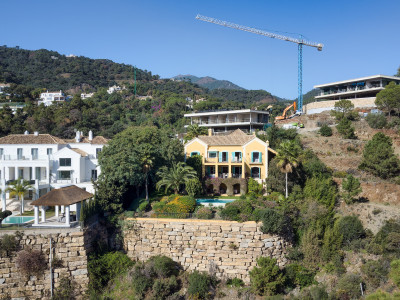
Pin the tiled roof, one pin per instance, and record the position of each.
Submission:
(236, 138)
(97, 140)
(79, 151)
(31, 139)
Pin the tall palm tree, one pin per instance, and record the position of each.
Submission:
(175, 176)
(288, 158)
(195, 130)
(147, 164)
(18, 189)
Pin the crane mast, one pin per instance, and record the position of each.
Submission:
(299, 41)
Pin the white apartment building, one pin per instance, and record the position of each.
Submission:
(364, 87)
(49, 98)
(49, 162)
(248, 120)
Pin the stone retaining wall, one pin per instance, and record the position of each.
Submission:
(228, 249)
(69, 245)
(319, 106)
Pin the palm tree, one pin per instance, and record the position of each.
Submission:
(18, 189)
(194, 130)
(288, 158)
(175, 176)
(147, 164)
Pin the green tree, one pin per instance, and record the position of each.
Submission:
(266, 278)
(193, 187)
(175, 176)
(351, 187)
(325, 130)
(288, 159)
(342, 109)
(345, 129)
(379, 158)
(193, 131)
(389, 98)
(18, 189)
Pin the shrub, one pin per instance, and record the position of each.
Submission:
(174, 206)
(164, 287)
(395, 271)
(236, 282)
(322, 190)
(4, 214)
(325, 130)
(9, 243)
(66, 290)
(352, 188)
(144, 206)
(140, 282)
(31, 262)
(104, 268)
(163, 266)
(193, 187)
(345, 129)
(375, 272)
(311, 248)
(238, 210)
(200, 285)
(387, 240)
(274, 221)
(204, 213)
(379, 158)
(376, 121)
(266, 278)
(331, 244)
(381, 295)
(297, 275)
(315, 292)
(348, 287)
(350, 227)
(254, 188)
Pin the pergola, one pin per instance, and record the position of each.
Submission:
(60, 198)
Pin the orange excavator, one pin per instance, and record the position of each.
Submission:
(284, 117)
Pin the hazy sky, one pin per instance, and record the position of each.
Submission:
(361, 38)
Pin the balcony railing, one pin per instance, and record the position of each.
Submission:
(236, 175)
(224, 121)
(236, 160)
(211, 160)
(223, 175)
(24, 157)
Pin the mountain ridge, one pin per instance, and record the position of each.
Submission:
(208, 82)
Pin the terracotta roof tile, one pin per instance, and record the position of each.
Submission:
(236, 138)
(31, 139)
(79, 151)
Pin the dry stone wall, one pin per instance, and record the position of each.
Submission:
(69, 245)
(226, 248)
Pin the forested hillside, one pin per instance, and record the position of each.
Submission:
(209, 82)
(53, 71)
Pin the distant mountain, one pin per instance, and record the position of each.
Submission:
(209, 82)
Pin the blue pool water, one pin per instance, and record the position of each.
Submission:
(217, 202)
(17, 220)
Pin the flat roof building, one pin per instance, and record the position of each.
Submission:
(247, 120)
(364, 87)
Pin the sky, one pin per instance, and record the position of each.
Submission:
(360, 37)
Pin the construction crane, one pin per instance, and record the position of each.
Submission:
(299, 41)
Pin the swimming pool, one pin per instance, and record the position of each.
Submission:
(214, 202)
(17, 220)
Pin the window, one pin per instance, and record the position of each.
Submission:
(255, 172)
(1, 152)
(212, 154)
(38, 173)
(256, 157)
(94, 175)
(237, 157)
(64, 175)
(223, 156)
(194, 153)
(35, 153)
(65, 162)
(19, 153)
(98, 150)
(49, 151)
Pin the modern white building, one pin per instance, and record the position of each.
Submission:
(49, 98)
(85, 96)
(49, 162)
(364, 87)
(3, 86)
(114, 88)
(247, 120)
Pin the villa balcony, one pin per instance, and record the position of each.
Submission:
(24, 158)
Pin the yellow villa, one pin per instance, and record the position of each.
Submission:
(228, 160)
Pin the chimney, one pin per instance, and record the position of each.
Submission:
(210, 132)
(36, 133)
(90, 135)
(26, 132)
(78, 136)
